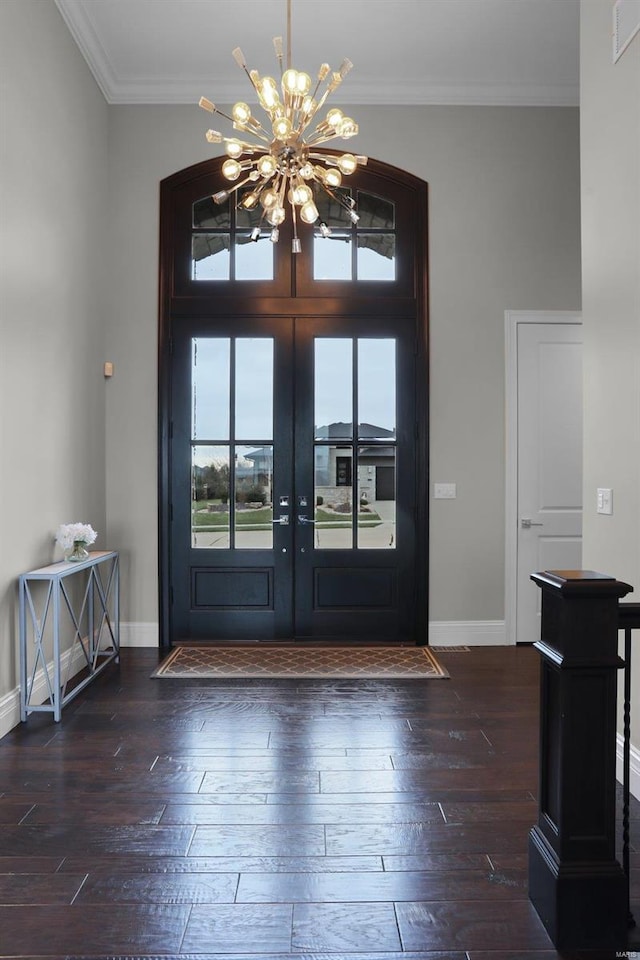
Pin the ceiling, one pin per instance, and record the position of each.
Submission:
(513, 52)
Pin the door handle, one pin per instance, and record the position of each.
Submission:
(303, 519)
(283, 520)
(526, 522)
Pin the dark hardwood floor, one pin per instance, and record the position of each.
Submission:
(270, 819)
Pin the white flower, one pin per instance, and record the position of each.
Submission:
(70, 533)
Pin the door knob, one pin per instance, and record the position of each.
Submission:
(283, 520)
(526, 522)
(303, 519)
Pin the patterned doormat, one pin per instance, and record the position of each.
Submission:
(289, 661)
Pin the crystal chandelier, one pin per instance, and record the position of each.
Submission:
(278, 165)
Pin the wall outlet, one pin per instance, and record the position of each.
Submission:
(444, 491)
(604, 500)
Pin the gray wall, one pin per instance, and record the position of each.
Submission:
(53, 211)
(610, 151)
(504, 234)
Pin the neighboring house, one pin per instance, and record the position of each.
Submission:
(375, 468)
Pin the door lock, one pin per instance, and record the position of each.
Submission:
(526, 522)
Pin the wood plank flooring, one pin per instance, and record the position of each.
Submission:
(265, 820)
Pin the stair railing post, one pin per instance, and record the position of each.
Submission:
(576, 884)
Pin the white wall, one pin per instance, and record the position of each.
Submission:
(53, 211)
(504, 234)
(610, 159)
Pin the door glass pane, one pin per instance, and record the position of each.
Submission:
(333, 475)
(254, 389)
(333, 388)
(376, 256)
(254, 258)
(210, 388)
(210, 497)
(376, 389)
(375, 212)
(210, 215)
(210, 258)
(254, 497)
(331, 211)
(377, 497)
(332, 257)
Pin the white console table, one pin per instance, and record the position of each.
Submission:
(95, 618)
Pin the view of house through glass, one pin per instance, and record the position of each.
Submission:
(353, 439)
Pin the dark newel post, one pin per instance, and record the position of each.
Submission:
(575, 882)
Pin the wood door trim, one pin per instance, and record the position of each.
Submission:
(367, 300)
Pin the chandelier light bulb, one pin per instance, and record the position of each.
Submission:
(300, 194)
(348, 128)
(231, 169)
(334, 118)
(290, 82)
(267, 166)
(309, 106)
(250, 201)
(309, 212)
(234, 148)
(282, 128)
(276, 215)
(241, 112)
(268, 92)
(268, 199)
(347, 163)
(284, 175)
(295, 83)
(333, 177)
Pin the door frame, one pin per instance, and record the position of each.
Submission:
(512, 320)
(406, 297)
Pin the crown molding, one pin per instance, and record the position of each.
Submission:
(88, 42)
(428, 91)
(392, 94)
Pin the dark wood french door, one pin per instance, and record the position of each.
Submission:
(293, 418)
(282, 429)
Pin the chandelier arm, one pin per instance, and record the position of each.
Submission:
(250, 130)
(295, 243)
(241, 183)
(335, 196)
(288, 34)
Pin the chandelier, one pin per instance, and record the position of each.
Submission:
(278, 163)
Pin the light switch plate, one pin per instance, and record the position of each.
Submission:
(604, 500)
(444, 491)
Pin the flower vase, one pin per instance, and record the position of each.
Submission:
(79, 552)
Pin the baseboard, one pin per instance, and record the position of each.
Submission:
(10, 703)
(9, 711)
(139, 634)
(634, 765)
(442, 633)
(468, 633)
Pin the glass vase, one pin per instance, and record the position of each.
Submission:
(79, 552)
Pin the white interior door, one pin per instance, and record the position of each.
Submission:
(549, 461)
